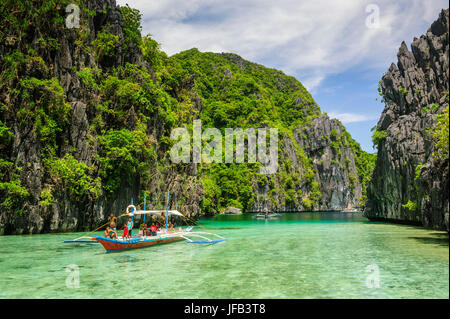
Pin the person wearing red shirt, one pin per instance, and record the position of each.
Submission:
(153, 229)
(125, 231)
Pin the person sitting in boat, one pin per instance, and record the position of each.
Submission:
(107, 232)
(153, 229)
(147, 231)
(110, 233)
(170, 226)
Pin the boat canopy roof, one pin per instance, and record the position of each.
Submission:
(156, 212)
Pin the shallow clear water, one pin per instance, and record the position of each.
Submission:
(308, 255)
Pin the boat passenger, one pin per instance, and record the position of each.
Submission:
(125, 231)
(145, 230)
(107, 232)
(130, 227)
(153, 229)
(113, 221)
(110, 233)
(171, 226)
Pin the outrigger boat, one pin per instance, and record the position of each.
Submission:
(163, 237)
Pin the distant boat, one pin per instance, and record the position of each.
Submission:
(350, 210)
(266, 216)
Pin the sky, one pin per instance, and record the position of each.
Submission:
(338, 49)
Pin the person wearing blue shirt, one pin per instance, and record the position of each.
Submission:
(130, 226)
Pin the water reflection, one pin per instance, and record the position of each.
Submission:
(434, 238)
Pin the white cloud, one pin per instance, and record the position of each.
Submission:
(352, 117)
(312, 82)
(309, 39)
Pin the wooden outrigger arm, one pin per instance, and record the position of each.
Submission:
(205, 240)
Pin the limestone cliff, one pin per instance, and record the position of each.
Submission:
(86, 115)
(320, 166)
(409, 183)
(334, 183)
(49, 108)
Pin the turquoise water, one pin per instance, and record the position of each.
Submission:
(308, 255)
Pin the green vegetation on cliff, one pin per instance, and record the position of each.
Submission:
(440, 134)
(134, 96)
(235, 93)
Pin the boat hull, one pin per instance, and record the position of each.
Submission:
(113, 245)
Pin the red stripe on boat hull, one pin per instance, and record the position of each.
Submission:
(111, 246)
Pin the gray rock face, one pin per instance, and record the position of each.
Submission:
(335, 166)
(332, 163)
(410, 89)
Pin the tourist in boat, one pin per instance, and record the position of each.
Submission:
(171, 226)
(153, 229)
(107, 232)
(110, 233)
(130, 227)
(113, 222)
(125, 231)
(145, 230)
